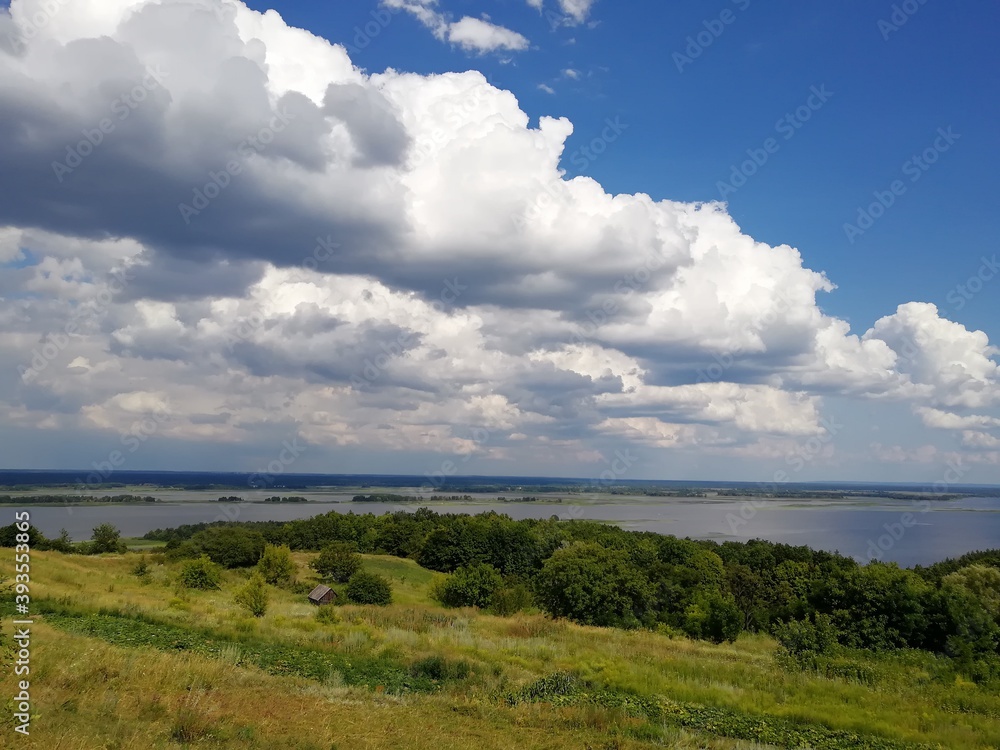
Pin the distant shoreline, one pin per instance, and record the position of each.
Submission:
(347, 496)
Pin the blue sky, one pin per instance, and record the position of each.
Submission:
(418, 252)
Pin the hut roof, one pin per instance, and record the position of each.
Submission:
(318, 593)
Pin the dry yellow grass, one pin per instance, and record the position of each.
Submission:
(90, 695)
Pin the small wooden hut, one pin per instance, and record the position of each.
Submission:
(322, 595)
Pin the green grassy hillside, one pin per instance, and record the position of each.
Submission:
(124, 662)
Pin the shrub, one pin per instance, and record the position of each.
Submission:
(277, 565)
(327, 615)
(180, 550)
(253, 595)
(62, 543)
(200, 573)
(230, 546)
(369, 588)
(472, 586)
(511, 599)
(439, 669)
(803, 639)
(106, 538)
(337, 562)
(141, 568)
(545, 689)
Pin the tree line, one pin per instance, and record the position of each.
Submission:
(596, 574)
(41, 499)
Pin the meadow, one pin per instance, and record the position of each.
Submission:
(126, 661)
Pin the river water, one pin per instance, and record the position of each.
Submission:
(906, 532)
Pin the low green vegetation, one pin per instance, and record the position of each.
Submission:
(270, 656)
(200, 573)
(473, 586)
(228, 546)
(502, 633)
(277, 566)
(562, 689)
(368, 588)
(337, 562)
(253, 595)
(596, 574)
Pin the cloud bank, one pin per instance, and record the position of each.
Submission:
(213, 214)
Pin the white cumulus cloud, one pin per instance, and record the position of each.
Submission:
(273, 240)
(471, 34)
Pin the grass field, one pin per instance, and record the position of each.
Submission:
(123, 663)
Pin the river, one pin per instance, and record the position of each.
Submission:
(906, 532)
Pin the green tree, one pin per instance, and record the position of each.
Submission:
(106, 538)
(749, 593)
(253, 596)
(62, 543)
(230, 546)
(449, 547)
(966, 619)
(337, 561)
(983, 582)
(593, 585)
(472, 586)
(200, 573)
(368, 588)
(9, 534)
(683, 571)
(878, 606)
(277, 565)
(804, 639)
(713, 617)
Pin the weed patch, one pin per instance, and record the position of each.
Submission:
(376, 673)
(565, 689)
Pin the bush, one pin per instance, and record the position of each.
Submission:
(180, 550)
(511, 600)
(200, 573)
(551, 686)
(62, 543)
(803, 639)
(327, 615)
(230, 546)
(473, 586)
(141, 569)
(439, 669)
(369, 588)
(277, 565)
(337, 562)
(253, 595)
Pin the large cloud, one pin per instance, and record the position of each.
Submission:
(266, 234)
